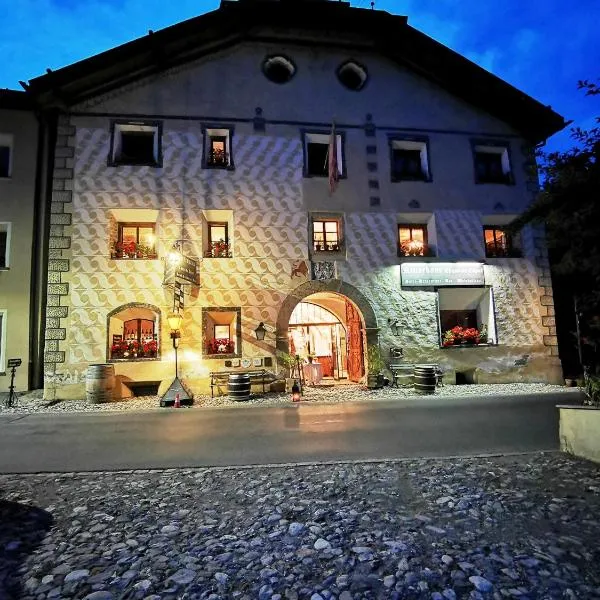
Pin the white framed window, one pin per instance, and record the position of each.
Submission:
(6, 155)
(492, 163)
(410, 159)
(3, 313)
(136, 143)
(217, 148)
(316, 153)
(466, 316)
(4, 245)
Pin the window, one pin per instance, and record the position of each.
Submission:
(217, 148)
(2, 340)
(218, 241)
(412, 240)
(278, 69)
(222, 332)
(4, 245)
(352, 76)
(326, 236)
(316, 154)
(409, 159)
(135, 240)
(466, 316)
(498, 243)
(6, 145)
(133, 332)
(136, 143)
(492, 163)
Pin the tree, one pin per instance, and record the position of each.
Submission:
(568, 205)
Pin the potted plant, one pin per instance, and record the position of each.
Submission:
(375, 377)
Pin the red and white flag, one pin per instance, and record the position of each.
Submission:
(333, 172)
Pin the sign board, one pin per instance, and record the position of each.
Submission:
(441, 274)
(187, 270)
(13, 362)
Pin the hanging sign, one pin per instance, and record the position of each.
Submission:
(441, 274)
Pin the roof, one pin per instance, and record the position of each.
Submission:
(316, 22)
(15, 100)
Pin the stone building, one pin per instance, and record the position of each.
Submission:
(339, 177)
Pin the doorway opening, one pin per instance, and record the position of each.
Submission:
(328, 329)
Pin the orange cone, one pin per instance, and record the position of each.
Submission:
(177, 403)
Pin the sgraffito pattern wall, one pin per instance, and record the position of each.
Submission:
(270, 237)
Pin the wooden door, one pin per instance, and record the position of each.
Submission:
(356, 367)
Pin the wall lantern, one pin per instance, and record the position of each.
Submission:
(175, 255)
(260, 331)
(394, 326)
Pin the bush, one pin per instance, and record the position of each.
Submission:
(592, 390)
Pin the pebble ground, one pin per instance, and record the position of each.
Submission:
(33, 401)
(523, 527)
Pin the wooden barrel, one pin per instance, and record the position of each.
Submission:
(424, 379)
(238, 386)
(99, 383)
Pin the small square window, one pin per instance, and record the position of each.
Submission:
(499, 243)
(326, 236)
(4, 245)
(6, 144)
(217, 149)
(412, 240)
(409, 159)
(218, 240)
(316, 154)
(222, 332)
(136, 144)
(135, 240)
(492, 164)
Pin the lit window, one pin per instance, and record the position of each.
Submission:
(412, 240)
(218, 241)
(498, 243)
(135, 240)
(133, 333)
(326, 236)
(6, 144)
(316, 154)
(409, 160)
(466, 316)
(492, 164)
(136, 143)
(222, 331)
(218, 149)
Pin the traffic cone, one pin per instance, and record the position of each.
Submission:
(177, 403)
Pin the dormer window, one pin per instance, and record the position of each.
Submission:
(352, 76)
(278, 69)
(217, 149)
(136, 143)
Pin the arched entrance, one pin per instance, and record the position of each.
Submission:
(332, 321)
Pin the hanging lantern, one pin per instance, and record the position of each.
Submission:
(296, 396)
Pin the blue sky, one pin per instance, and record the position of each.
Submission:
(543, 47)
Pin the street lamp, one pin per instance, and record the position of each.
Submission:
(176, 390)
(260, 331)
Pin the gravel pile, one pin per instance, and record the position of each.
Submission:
(33, 401)
(514, 527)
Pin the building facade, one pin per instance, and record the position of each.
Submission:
(18, 154)
(341, 192)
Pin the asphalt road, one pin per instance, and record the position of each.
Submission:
(423, 427)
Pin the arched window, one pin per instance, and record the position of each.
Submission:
(133, 333)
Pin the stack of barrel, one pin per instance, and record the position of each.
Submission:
(424, 378)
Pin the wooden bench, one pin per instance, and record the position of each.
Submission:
(403, 370)
(218, 378)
